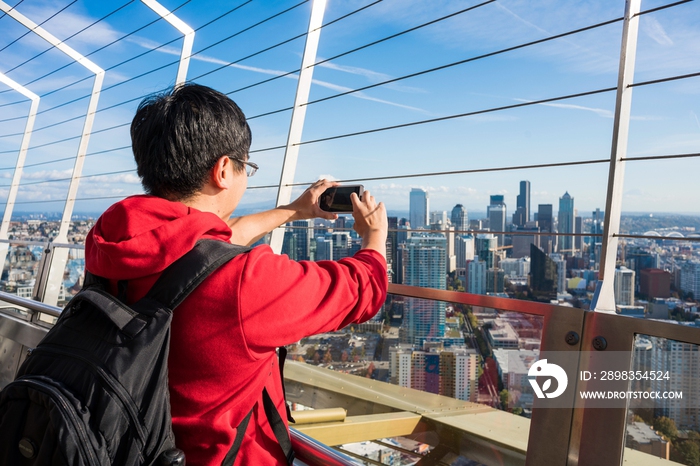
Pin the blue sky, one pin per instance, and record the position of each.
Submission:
(665, 117)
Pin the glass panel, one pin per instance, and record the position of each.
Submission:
(666, 422)
(73, 275)
(466, 353)
(20, 267)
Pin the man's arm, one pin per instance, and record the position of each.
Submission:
(247, 229)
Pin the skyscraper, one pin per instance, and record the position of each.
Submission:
(485, 247)
(476, 276)
(304, 231)
(418, 208)
(566, 223)
(544, 221)
(497, 216)
(426, 268)
(690, 278)
(624, 287)
(543, 275)
(464, 250)
(391, 247)
(522, 212)
(459, 218)
(324, 249)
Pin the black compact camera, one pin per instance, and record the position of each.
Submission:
(337, 199)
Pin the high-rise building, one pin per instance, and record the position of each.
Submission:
(451, 258)
(624, 287)
(452, 372)
(426, 268)
(485, 247)
(566, 223)
(304, 231)
(289, 244)
(655, 283)
(418, 208)
(324, 249)
(459, 218)
(546, 224)
(516, 267)
(341, 244)
(464, 250)
(639, 258)
(561, 271)
(522, 240)
(578, 228)
(438, 218)
(543, 275)
(391, 247)
(476, 276)
(690, 278)
(522, 205)
(497, 216)
(681, 361)
(595, 242)
(495, 280)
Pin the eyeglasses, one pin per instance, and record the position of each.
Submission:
(250, 168)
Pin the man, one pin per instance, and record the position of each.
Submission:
(191, 149)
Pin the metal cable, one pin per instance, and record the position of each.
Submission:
(449, 117)
(105, 46)
(72, 35)
(449, 65)
(125, 61)
(57, 180)
(67, 158)
(452, 172)
(357, 49)
(285, 41)
(78, 199)
(16, 5)
(466, 232)
(197, 77)
(141, 75)
(30, 31)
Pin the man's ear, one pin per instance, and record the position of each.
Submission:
(221, 174)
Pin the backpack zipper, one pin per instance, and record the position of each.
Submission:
(65, 408)
(115, 387)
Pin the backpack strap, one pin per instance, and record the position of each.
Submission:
(185, 274)
(278, 428)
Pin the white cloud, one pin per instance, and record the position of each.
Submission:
(651, 27)
(273, 72)
(598, 111)
(128, 178)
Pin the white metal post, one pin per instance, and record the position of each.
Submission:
(12, 196)
(187, 43)
(291, 155)
(59, 259)
(24, 145)
(604, 299)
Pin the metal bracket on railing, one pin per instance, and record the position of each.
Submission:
(42, 275)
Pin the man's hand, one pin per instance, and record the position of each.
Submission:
(371, 222)
(306, 206)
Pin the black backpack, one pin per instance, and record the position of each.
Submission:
(95, 390)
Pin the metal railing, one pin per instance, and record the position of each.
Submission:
(556, 436)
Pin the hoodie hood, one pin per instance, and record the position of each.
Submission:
(142, 235)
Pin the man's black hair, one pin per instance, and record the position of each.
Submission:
(178, 136)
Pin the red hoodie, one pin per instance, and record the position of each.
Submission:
(224, 335)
